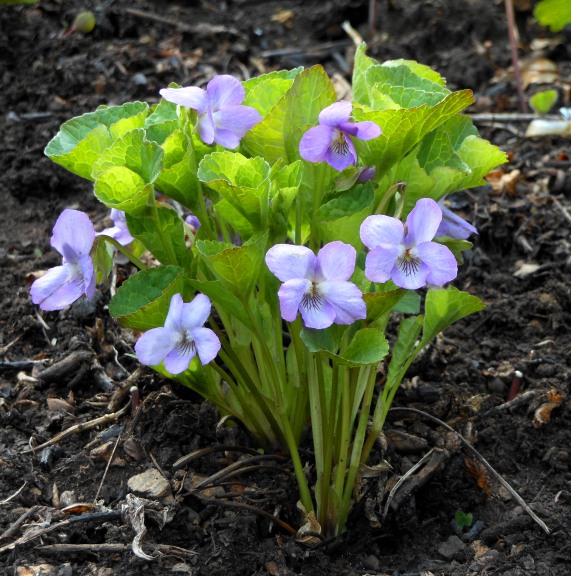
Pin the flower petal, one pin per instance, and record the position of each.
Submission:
(88, 275)
(318, 317)
(223, 91)
(409, 277)
(346, 299)
(335, 261)
(336, 113)
(341, 156)
(422, 222)
(57, 288)
(206, 128)
(75, 229)
(380, 230)
(363, 130)
(380, 262)
(154, 346)
(236, 119)
(207, 344)
(195, 313)
(315, 143)
(178, 360)
(440, 261)
(173, 321)
(454, 226)
(291, 294)
(190, 97)
(287, 262)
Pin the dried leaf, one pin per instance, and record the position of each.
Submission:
(539, 71)
(503, 182)
(136, 515)
(479, 472)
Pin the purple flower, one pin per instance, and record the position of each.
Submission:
(317, 286)
(405, 254)
(181, 338)
(454, 226)
(119, 232)
(193, 222)
(329, 142)
(221, 117)
(72, 237)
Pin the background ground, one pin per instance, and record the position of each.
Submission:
(520, 267)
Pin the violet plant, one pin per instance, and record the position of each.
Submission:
(304, 223)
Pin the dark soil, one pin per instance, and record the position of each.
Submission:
(48, 77)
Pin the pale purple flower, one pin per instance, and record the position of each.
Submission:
(119, 231)
(181, 338)
(405, 253)
(317, 286)
(454, 226)
(73, 236)
(221, 117)
(331, 142)
(367, 174)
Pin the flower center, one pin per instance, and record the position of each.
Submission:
(339, 144)
(408, 263)
(186, 346)
(312, 299)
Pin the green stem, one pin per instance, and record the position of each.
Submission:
(132, 258)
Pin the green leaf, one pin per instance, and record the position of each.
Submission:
(403, 349)
(409, 303)
(178, 178)
(238, 267)
(553, 13)
(143, 300)
(263, 92)
(381, 303)
(443, 307)
(81, 140)
(164, 111)
(420, 70)
(121, 188)
(403, 87)
(359, 84)
(135, 152)
(543, 101)
(403, 129)
(242, 182)
(341, 218)
(279, 133)
(368, 345)
(161, 231)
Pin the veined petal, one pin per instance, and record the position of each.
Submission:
(336, 113)
(318, 316)
(335, 261)
(57, 288)
(380, 230)
(190, 97)
(232, 123)
(153, 346)
(410, 277)
(287, 262)
(226, 139)
(224, 90)
(206, 128)
(346, 299)
(207, 344)
(173, 321)
(315, 143)
(380, 262)
(365, 130)
(442, 266)
(341, 153)
(195, 313)
(291, 294)
(75, 229)
(422, 222)
(178, 359)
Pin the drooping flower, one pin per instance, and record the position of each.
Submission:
(73, 236)
(221, 116)
(193, 222)
(405, 253)
(317, 286)
(331, 142)
(181, 338)
(452, 225)
(119, 231)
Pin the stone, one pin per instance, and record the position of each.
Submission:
(151, 484)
